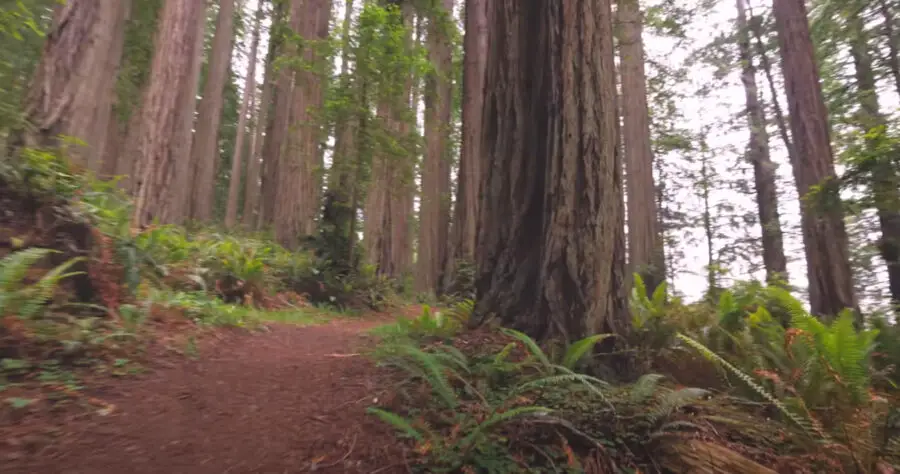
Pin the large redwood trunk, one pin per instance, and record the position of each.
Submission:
(297, 203)
(174, 50)
(277, 125)
(205, 148)
(822, 219)
(434, 208)
(645, 240)
(72, 91)
(764, 171)
(551, 247)
(465, 215)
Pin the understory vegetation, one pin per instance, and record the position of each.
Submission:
(81, 291)
(752, 383)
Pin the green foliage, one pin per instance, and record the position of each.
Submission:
(28, 300)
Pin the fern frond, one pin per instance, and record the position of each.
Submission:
(398, 422)
(434, 373)
(676, 399)
(530, 344)
(577, 350)
(14, 266)
(503, 417)
(804, 424)
(645, 387)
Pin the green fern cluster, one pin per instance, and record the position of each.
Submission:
(28, 301)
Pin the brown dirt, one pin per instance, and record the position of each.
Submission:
(290, 400)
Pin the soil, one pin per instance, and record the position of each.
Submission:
(287, 400)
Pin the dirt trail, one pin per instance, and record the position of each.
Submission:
(291, 400)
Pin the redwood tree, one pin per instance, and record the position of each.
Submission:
(822, 219)
(174, 50)
(645, 240)
(205, 149)
(73, 87)
(551, 253)
(764, 171)
(465, 213)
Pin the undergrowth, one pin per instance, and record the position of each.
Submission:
(775, 388)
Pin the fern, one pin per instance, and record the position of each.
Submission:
(645, 387)
(506, 416)
(433, 370)
(531, 345)
(576, 351)
(28, 301)
(398, 422)
(675, 399)
(805, 424)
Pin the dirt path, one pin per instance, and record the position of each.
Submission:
(291, 400)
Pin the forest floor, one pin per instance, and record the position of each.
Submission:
(288, 399)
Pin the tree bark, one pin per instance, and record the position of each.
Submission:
(73, 87)
(434, 208)
(174, 50)
(891, 37)
(824, 236)
(885, 180)
(551, 249)
(465, 217)
(764, 171)
(251, 216)
(277, 126)
(645, 242)
(205, 149)
(297, 202)
(234, 184)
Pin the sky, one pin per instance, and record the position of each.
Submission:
(710, 112)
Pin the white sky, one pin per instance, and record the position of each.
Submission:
(712, 113)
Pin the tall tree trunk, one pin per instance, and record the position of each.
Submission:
(645, 243)
(434, 207)
(252, 189)
(73, 87)
(885, 181)
(891, 39)
(297, 202)
(339, 215)
(465, 217)
(205, 149)
(110, 152)
(277, 125)
(183, 182)
(551, 252)
(234, 184)
(824, 235)
(780, 120)
(174, 50)
(764, 175)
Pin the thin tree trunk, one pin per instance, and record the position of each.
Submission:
(250, 216)
(551, 257)
(764, 174)
(824, 236)
(645, 244)
(174, 50)
(340, 210)
(780, 120)
(73, 87)
(205, 149)
(885, 180)
(434, 204)
(465, 220)
(234, 185)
